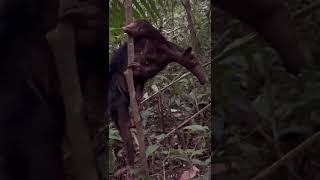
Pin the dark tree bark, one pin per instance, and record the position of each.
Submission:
(31, 108)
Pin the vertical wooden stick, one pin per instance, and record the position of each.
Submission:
(134, 105)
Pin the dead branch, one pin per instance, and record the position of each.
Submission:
(134, 105)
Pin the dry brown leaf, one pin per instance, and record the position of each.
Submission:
(186, 175)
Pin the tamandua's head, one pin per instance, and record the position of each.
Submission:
(190, 61)
(141, 28)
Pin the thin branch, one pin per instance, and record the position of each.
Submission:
(287, 157)
(186, 121)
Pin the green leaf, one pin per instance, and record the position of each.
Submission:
(112, 162)
(197, 128)
(154, 8)
(204, 163)
(114, 134)
(193, 152)
(151, 150)
(139, 8)
(179, 154)
(149, 10)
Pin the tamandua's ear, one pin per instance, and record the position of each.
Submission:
(187, 51)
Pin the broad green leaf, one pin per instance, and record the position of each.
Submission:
(139, 8)
(151, 150)
(197, 128)
(149, 10)
(114, 134)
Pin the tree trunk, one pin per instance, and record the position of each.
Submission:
(192, 29)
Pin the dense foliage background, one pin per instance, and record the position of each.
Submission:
(187, 149)
(260, 111)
